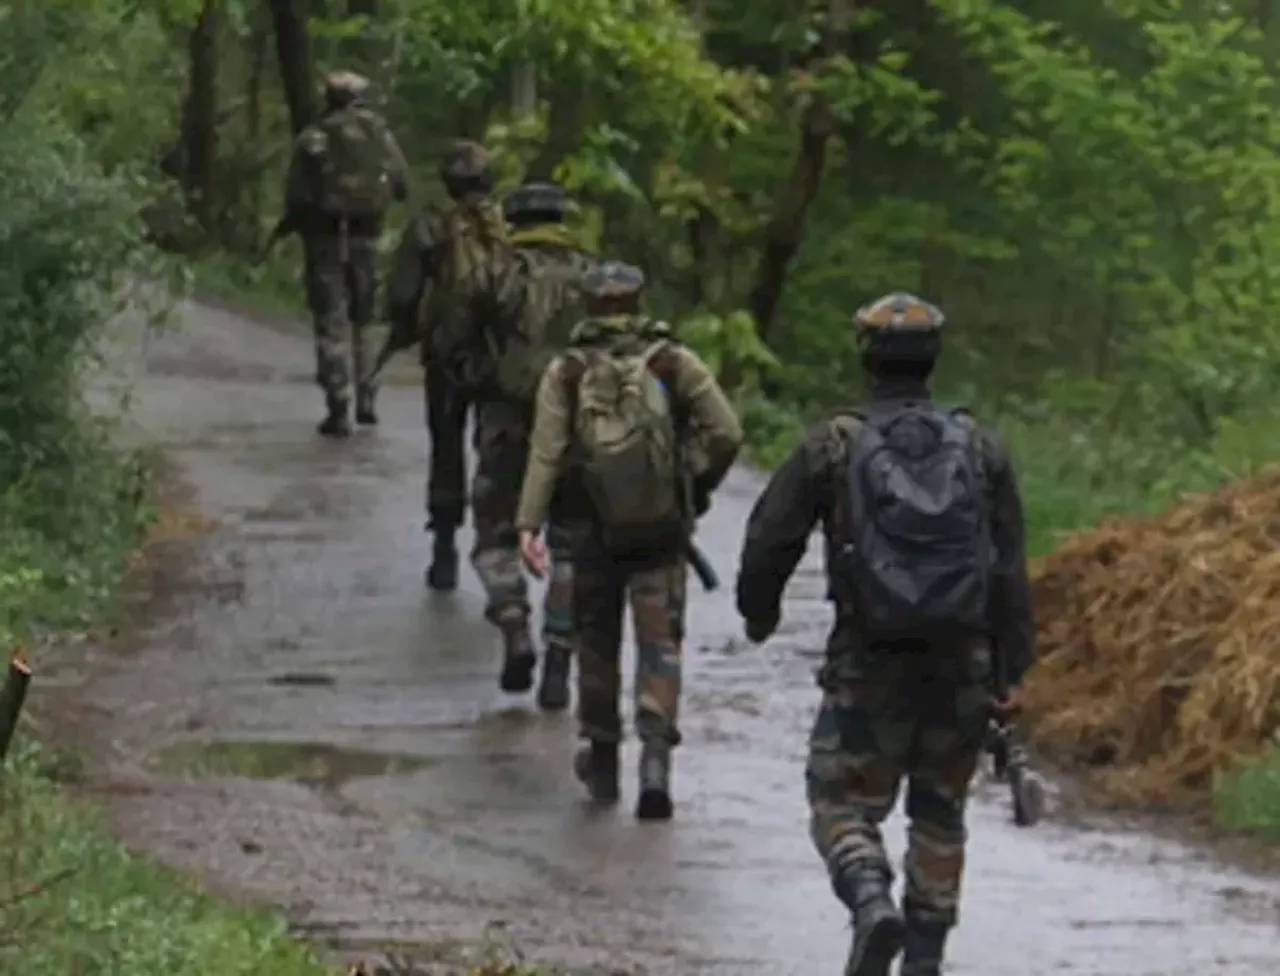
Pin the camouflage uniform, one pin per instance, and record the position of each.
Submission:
(465, 173)
(653, 582)
(502, 446)
(889, 712)
(340, 271)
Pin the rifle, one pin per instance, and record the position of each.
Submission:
(1010, 764)
(701, 567)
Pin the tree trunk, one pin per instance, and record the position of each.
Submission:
(200, 116)
(261, 32)
(564, 128)
(293, 51)
(786, 227)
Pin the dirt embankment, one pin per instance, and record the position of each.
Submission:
(1160, 645)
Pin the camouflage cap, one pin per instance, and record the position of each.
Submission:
(536, 198)
(465, 160)
(345, 84)
(613, 279)
(899, 311)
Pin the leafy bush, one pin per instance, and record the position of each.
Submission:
(69, 502)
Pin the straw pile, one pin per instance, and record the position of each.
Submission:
(1160, 645)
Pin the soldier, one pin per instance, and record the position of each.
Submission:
(441, 270)
(642, 434)
(925, 555)
(542, 290)
(346, 170)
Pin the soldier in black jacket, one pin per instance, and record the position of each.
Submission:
(909, 680)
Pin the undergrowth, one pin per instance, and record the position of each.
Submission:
(72, 507)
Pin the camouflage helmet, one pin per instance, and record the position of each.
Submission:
(899, 311)
(899, 328)
(537, 198)
(344, 87)
(611, 280)
(465, 162)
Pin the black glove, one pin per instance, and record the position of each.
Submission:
(760, 629)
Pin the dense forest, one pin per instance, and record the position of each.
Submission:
(1090, 190)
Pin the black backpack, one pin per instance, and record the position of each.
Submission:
(918, 553)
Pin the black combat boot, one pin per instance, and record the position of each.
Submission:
(596, 765)
(518, 656)
(654, 802)
(925, 943)
(553, 692)
(442, 574)
(366, 409)
(337, 422)
(878, 928)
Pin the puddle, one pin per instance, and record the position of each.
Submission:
(314, 764)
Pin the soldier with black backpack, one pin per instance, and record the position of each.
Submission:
(441, 292)
(538, 304)
(927, 571)
(634, 431)
(346, 171)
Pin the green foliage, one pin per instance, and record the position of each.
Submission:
(88, 906)
(71, 508)
(1248, 798)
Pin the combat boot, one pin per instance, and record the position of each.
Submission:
(878, 927)
(366, 407)
(518, 656)
(654, 802)
(923, 949)
(596, 766)
(553, 692)
(337, 422)
(442, 574)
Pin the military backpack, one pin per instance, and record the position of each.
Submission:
(348, 160)
(472, 255)
(540, 303)
(627, 442)
(918, 553)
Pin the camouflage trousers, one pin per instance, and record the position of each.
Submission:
(602, 588)
(502, 449)
(447, 410)
(889, 718)
(341, 279)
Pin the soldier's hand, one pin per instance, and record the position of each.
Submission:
(1009, 704)
(533, 552)
(761, 629)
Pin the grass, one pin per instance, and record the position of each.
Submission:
(77, 902)
(1247, 800)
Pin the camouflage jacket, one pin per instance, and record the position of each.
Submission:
(804, 493)
(300, 216)
(714, 434)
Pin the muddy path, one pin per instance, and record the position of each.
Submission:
(301, 723)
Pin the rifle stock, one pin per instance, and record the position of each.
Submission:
(702, 567)
(1010, 763)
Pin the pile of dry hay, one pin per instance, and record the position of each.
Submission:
(1160, 644)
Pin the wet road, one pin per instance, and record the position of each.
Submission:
(306, 725)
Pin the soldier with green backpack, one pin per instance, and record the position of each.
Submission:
(346, 171)
(442, 290)
(538, 300)
(633, 427)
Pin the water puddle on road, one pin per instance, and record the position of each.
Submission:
(310, 763)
